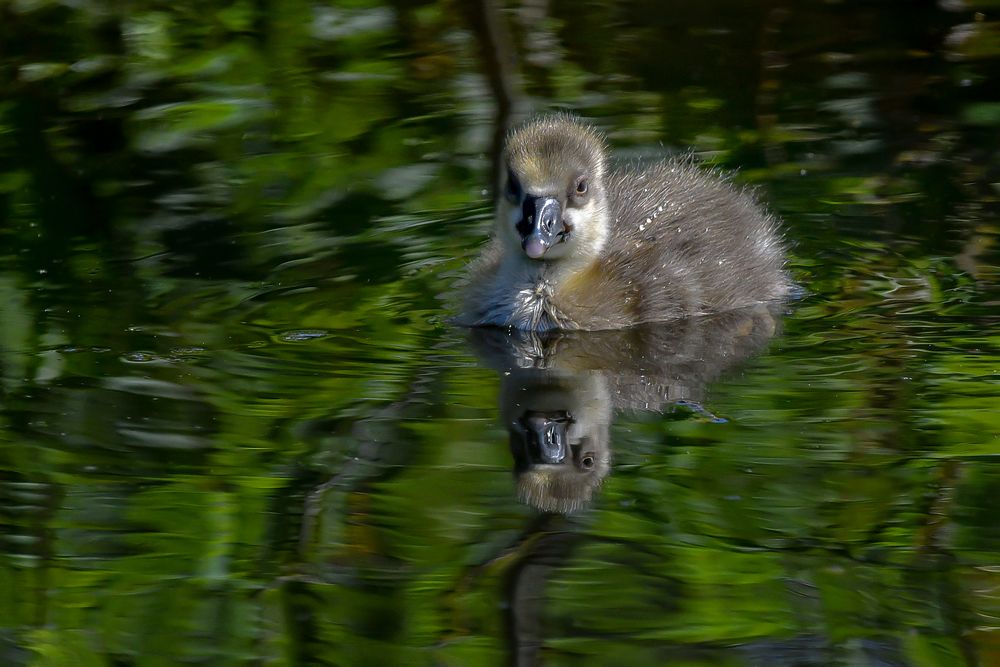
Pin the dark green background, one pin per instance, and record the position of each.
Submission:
(235, 427)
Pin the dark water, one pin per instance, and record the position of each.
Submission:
(236, 428)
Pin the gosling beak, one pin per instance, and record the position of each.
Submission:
(540, 226)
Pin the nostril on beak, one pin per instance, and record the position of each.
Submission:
(549, 213)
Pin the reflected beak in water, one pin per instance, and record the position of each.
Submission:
(547, 435)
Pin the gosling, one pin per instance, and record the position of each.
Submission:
(582, 244)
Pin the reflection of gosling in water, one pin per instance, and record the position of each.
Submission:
(560, 390)
(559, 436)
(579, 244)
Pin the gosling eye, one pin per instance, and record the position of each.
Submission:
(580, 188)
(587, 461)
(513, 192)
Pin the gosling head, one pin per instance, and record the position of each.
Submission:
(554, 203)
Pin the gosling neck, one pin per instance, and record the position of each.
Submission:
(549, 272)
